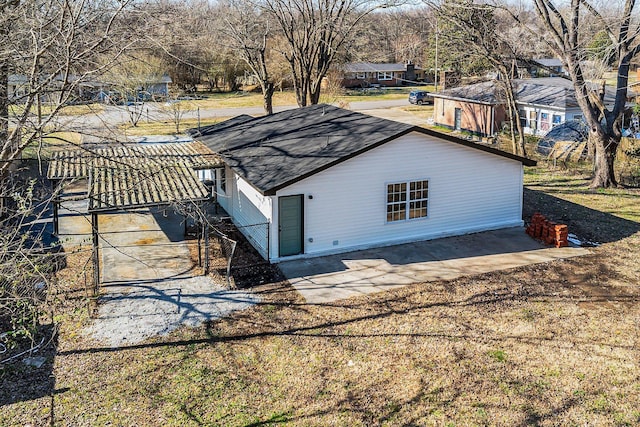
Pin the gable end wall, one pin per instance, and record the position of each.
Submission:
(469, 191)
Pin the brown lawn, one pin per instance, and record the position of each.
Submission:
(549, 344)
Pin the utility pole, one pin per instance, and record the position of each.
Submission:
(436, 71)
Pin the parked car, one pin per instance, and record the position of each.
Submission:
(420, 97)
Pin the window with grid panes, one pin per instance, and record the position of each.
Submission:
(418, 194)
(407, 200)
(396, 202)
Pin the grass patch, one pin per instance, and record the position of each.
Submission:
(422, 111)
(165, 127)
(242, 99)
(82, 109)
(51, 142)
(548, 344)
(68, 110)
(62, 138)
(498, 355)
(284, 98)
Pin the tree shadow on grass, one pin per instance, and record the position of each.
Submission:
(20, 381)
(586, 223)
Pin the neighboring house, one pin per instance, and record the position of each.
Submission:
(480, 108)
(17, 88)
(89, 90)
(327, 180)
(158, 86)
(475, 108)
(365, 74)
(142, 90)
(547, 67)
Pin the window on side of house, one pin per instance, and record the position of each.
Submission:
(545, 122)
(523, 118)
(533, 120)
(223, 180)
(557, 119)
(361, 76)
(407, 200)
(384, 75)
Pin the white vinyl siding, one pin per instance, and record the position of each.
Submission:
(469, 191)
(538, 120)
(250, 211)
(221, 195)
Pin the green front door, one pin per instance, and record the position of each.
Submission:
(290, 220)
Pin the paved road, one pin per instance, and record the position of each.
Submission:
(97, 127)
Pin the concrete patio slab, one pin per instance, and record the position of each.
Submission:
(141, 245)
(330, 278)
(74, 223)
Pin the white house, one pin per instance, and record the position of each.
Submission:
(548, 102)
(17, 87)
(326, 180)
(548, 67)
(480, 108)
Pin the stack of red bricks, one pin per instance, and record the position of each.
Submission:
(549, 232)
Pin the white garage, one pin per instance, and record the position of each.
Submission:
(326, 180)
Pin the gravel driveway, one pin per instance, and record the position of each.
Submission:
(147, 283)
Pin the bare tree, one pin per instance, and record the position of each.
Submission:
(54, 47)
(392, 35)
(565, 36)
(131, 77)
(175, 109)
(248, 29)
(315, 32)
(475, 26)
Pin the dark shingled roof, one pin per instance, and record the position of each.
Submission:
(552, 92)
(272, 152)
(222, 126)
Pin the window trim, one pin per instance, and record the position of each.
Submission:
(223, 180)
(385, 75)
(533, 119)
(407, 200)
(524, 118)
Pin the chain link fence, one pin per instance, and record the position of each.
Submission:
(234, 256)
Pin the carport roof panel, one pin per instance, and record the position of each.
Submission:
(125, 188)
(77, 163)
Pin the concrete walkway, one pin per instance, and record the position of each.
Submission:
(330, 278)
